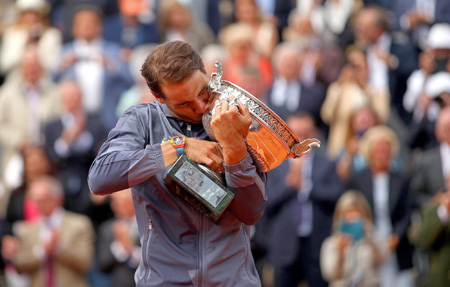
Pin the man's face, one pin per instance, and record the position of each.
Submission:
(46, 202)
(86, 25)
(303, 128)
(187, 99)
(365, 30)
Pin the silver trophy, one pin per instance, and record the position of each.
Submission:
(269, 142)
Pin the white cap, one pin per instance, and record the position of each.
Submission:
(437, 84)
(439, 36)
(31, 5)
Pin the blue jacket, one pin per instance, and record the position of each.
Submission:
(180, 246)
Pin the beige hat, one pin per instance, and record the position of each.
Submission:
(32, 5)
(439, 36)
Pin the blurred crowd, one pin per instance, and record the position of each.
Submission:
(369, 78)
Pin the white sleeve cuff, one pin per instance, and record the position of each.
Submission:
(61, 148)
(443, 214)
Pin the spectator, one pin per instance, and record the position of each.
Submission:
(433, 166)
(238, 40)
(265, 32)
(287, 94)
(176, 22)
(212, 53)
(135, 25)
(58, 249)
(96, 65)
(351, 91)
(31, 28)
(302, 222)
(27, 102)
(352, 254)
(119, 251)
(276, 11)
(390, 63)
(350, 159)
(35, 164)
(72, 142)
(433, 235)
(388, 195)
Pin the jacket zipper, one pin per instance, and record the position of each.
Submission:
(201, 251)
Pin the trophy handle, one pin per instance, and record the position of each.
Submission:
(216, 78)
(304, 147)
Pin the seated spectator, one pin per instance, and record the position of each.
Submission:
(176, 22)
(31, 28)
(351, 91)
(72, 142)
(212, 53)
(388, 194)
(119, 250)
(96, 65)
(238, 40)
(57, 250)
(433, 235)
(352, 254)
(265, 32)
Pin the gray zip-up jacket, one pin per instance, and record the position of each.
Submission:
(180, 246)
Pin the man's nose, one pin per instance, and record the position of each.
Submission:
(199, 106)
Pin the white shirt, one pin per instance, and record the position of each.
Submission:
(381, 205)
(89, 72)
(378, 70)
(286, 94)
(445, 158)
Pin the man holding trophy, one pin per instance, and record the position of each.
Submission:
(196, 161)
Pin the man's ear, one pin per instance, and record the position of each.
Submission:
(158, 98)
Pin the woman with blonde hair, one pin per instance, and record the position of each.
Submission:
(388, 194)
(352, 254)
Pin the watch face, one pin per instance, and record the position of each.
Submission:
(178, 140)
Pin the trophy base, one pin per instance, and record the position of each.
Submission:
(199, 187)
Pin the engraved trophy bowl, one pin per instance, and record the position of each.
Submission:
(269, 141)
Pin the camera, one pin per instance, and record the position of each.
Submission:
(440, 64)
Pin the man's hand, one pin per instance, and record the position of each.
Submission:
(200, 151)
(231, 124)
(122, 235)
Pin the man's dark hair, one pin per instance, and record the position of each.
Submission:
(169, 63)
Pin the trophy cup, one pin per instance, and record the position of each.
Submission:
(269, 142)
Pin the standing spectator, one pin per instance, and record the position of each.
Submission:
(31, 28)
(57, 250)
(287, 94)
(28, 100)
(72, 142)
(433, 166)
(352, 254)
(351, 91)
(433, 234)
(265, 32)
(96, 65)
(177, 22)
(390, 62)
(119, 251)
(302, 223)
(238, 40)
(388, 195)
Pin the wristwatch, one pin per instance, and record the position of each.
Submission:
(178, 143)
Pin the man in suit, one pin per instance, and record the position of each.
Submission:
(287, 94)
(56, 250)
(433, 166)
(96, 65)
(301, 212)
(119, 251)
(433, 234)
(72, 141)
(390, 61)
